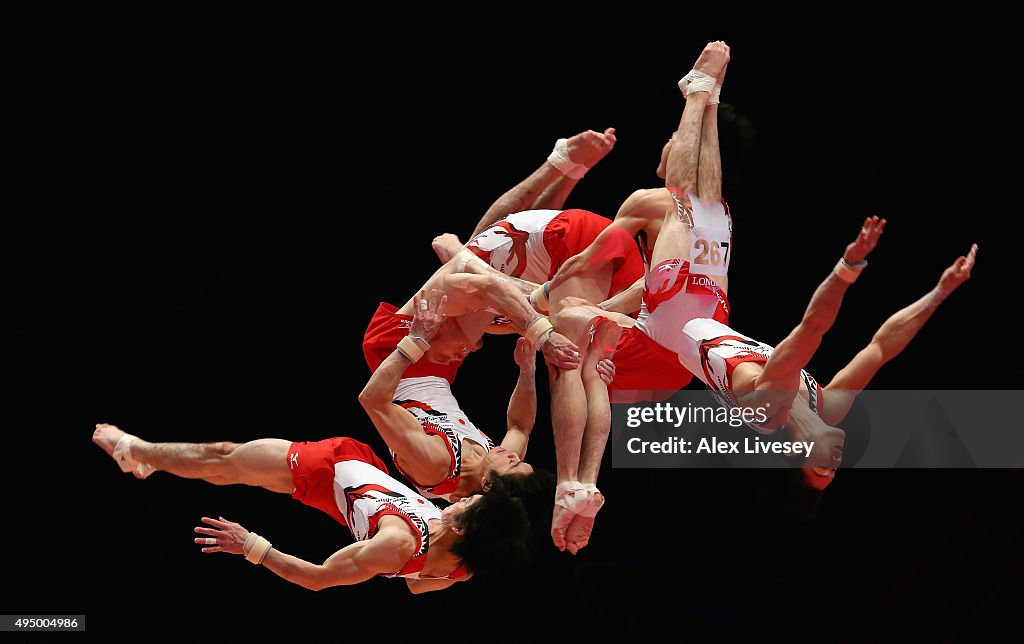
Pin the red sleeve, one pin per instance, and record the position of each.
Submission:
(385, 330)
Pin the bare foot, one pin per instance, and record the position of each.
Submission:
(446, 246)
(108, 437)
(560, 521)
(577, 536)
(589, 147)
(713, 59)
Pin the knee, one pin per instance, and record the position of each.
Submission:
(568, 309)
(222, 450)
(570, 301)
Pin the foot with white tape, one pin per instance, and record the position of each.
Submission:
(717, 94)
(577, 535)
(710, 65)
(579, 153)
(588, 148)
(570, 498)
(446, 246)
(118, 445)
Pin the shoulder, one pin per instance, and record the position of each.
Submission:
(646, 199)
(395, 542)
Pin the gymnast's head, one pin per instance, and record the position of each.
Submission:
(820, 465)
(451, 345)
(498, 529)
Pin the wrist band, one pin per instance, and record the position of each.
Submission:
(539, 327)
(258, 548)
(408, 347)
(849, 272)
(544, 337)
(249, 540)
(539, 298)
(559, 158)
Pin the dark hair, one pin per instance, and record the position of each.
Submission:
(501, 529)
(537, 492)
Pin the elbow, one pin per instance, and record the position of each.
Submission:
(368, 398)
(311, 583)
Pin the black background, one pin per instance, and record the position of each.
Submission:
(207, 216)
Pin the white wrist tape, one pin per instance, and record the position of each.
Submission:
(559, 158)
(539, 298)
(255, 548)
(849, 272)
(409, 348)
(540, 327)
(696, 81)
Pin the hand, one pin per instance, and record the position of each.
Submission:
(866, 240)
(228, 536)
(525, 356)
(560, 352)
(428, 316)
(606, 370)
(445, 246)
(959, 272)
(590, 147)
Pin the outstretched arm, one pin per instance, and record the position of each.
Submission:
(782, 371)
(550, 184)
(385, 553)
(890, 340)
(522, 406)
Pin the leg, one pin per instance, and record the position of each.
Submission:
(261, 463)
(547, 187)
(683, 157)
(592, 287)
(889, 341)
(709, 173)
(575, 315)
(602, 347)
(606, 336)
(568, 414)
(709, 169)
(589, 273)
